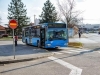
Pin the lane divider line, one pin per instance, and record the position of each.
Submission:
(74, 70)
(57, 53)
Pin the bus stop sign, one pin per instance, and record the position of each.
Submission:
(13, 24)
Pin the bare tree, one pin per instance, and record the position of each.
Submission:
(67, 10)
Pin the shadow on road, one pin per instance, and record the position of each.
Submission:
(41, 63)
(21, 49)
(54, 49)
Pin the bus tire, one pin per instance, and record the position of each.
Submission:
(38, 44)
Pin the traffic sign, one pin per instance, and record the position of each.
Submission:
(13, 24)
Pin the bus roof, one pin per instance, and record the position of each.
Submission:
(45, 24)
(52, 23)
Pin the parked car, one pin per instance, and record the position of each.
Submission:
(98, 32)
(4, 35)
(19, 36)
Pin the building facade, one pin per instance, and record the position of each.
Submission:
(2, 30)
(90, 27)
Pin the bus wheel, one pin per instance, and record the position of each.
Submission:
(38, 44)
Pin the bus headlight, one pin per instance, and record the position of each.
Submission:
(66, 44)
(48, 44)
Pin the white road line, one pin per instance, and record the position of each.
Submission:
(65, 48)
(82, 50)
(66, 52)
(75, 51)
(79, 50)
(71, 51)
(74, 70)
(57, 53)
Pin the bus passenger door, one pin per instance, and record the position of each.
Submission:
(23, 36)
(42, 37)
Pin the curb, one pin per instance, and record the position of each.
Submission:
(22, 60)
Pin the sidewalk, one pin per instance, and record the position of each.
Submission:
(21, 58)
(82, 36)
(76, 37)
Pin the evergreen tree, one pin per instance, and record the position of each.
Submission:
(49, 13)
(16, 10)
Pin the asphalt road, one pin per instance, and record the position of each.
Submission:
(69, 61)
(75, 63)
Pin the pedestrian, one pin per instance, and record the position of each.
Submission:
(16, 39)
(79, 34)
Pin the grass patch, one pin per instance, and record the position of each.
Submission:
(75, 44)
(6, 38)
(9, 38)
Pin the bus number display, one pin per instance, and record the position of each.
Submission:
(57, 26)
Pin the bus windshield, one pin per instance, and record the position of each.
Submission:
(57, 35)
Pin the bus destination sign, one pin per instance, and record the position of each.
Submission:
(56, 25)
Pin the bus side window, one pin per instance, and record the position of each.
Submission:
(34, 32)
(38, 32)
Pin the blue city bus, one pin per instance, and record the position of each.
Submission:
(46, 35)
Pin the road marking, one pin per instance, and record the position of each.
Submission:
(57, 53)
(71, 51)
(66, 51)
(82, 50)
(75, 51)
(74, 70)
(79, 51)
(65, 48)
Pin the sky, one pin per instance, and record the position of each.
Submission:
(90, 9)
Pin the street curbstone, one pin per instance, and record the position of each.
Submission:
(23, 60)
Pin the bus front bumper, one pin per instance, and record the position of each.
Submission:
(55, 46)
